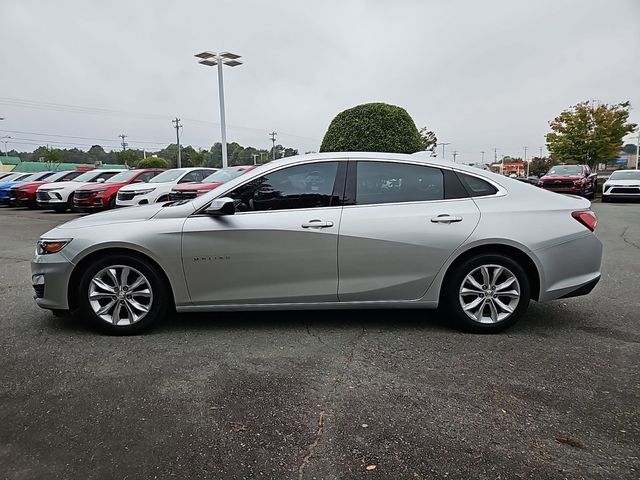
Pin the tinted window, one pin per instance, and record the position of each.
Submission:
(475, 186)
(192, 176)
(382, 182)
(104, 175)
(146, 176)
(301, 186)
(70, 176)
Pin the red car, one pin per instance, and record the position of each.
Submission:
(574, 179)
(187, 191)
(102, 196)
(24, 194)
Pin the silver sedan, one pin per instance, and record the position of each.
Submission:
(332, 230)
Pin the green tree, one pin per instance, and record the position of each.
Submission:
(53, 157)
(429, 139)
(539, 165)
(127, 157)
(589, 134)
(153, 162)
(373, 127)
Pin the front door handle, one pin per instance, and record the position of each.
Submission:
(446, 218)
(317, 224)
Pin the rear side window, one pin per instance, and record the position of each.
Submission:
(146, 176)
(476, 187)
(390, 182)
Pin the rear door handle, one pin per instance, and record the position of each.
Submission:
(317, 224)
(446, 218)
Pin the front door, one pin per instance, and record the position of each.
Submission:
(279, 247)
(400, 230)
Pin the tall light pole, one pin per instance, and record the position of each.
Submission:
(637, 149)
(482, 153)
(211, 59)
(525, 160)
(6, 153)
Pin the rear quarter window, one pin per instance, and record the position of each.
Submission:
(476, 187)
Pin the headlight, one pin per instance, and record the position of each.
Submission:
(52, 189)
(204, 191)
(142, 192)
(46, 247)
(95, 192)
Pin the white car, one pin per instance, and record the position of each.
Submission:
(58, 196)
(623, 184)
(159, 187)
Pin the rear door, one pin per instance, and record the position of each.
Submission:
(400, 223)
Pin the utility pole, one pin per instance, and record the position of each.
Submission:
(273, 140)
(455, 154)
(443, 145)
(177, 126)
(638, 150)
(123, 143)
(540, 153)
(482, 153)
(525, 160)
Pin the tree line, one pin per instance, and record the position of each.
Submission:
(190, 157)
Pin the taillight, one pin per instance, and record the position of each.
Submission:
(586, 218)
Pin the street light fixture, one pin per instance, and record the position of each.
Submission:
(211, 59)
(6, 153)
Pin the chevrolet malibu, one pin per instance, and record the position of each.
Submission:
(342, 230)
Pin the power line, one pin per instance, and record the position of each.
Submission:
(77, 137)
(62, 107)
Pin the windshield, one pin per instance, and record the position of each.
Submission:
(11, 178)
(56, 176)
(223, 175)
(625, 175)
(28, 178)
(565, 170)
(168, 176)
(122, 177)
(86, 176)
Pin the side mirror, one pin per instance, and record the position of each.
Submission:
(100, 180)
(221, 206)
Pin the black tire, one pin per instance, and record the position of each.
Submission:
(454, 282)
(112, 203)
(158, 308)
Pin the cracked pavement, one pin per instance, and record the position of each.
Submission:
(324, 395)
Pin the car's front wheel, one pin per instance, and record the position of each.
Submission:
(487, 293)
(123, 295)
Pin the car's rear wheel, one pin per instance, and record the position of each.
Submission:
(123, 295)
(487, 293)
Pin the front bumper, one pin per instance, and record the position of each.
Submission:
(50, 276)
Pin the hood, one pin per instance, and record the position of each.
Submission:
(558, 177)
(120, 215)
(191, 186)
(4, 185)
(140, 186)
(61, 185)
(626, 183)
(93, 186)
(29, 185)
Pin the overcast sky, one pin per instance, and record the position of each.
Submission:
(481, 74)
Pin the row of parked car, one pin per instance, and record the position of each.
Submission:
(102, 189)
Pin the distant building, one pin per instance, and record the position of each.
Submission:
(7, 164)
(518, 167)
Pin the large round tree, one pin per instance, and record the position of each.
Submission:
(373, 127)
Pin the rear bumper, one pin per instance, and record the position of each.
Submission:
(571, 268)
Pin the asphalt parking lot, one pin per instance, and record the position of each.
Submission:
(325, 395)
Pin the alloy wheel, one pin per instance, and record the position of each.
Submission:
(120, 295)
(489, 294)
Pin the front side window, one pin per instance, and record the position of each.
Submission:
(390, 182)
(301, 186)
(104, 175)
